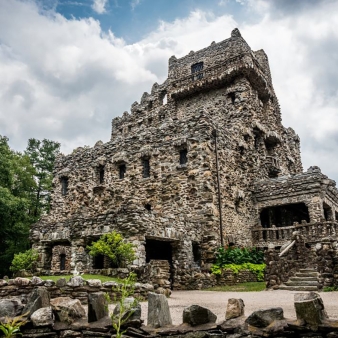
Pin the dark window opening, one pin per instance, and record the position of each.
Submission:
(196, 251)
(150, 105)
(98, 262)
(158, 250)
(150, 121)
(62, 262)
(122, 170)
(307, 245)
(129, 128)
(232, 97)
(162, 117)
(148, 207)
(336, 214)
(327, 212)
(101, 174)
(196, 70)
(284, 215)
(183, 156)
(64, 185)
(146, 167)
(256, 141)
(246, 138)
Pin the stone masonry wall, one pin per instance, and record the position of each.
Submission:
(157, 176)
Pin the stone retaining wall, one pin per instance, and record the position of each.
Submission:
(76, 288)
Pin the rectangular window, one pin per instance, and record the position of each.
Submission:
(183, 156)
(146, 167)
(101, 174)
(64, 185)
(196, 71)
(122, 170)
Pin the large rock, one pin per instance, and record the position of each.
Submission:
(131, 313)
(263, 318)
(38, 298)
(158, 310)
(76, 281)
(37, 281)
(310, 309)
(198, 315)
(22, 281)
(67, 309)
(235, 308)
(94, 283)
(43, 317)
(10, 307)
(97, 306)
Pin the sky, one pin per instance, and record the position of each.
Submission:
(67, 67)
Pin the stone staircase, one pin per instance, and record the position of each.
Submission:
(304, 280)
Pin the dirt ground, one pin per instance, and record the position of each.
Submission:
(217, 301)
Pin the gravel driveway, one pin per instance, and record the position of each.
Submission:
(217, 301)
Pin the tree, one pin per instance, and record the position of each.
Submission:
(42, 155)
(113, 246)
(16, 187)
(25, 183)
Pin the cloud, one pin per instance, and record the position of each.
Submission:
(99, 6)
(134, 4)
(66, 79)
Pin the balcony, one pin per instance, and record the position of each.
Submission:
(273, 167)
(311, 232)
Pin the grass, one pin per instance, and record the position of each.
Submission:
(241, 287)
(86, 277)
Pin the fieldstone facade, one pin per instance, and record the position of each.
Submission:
(185, 171)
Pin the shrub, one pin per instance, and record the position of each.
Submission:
(232, 255)
(237, 259)
(24, 261)
(113, 246)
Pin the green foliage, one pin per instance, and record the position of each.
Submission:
(24, 260)
(237, 259)
(25, 182)
(113, 246)
(42, 155)
(11, 326)
(126, 289)
(330, 288)
(235, 255)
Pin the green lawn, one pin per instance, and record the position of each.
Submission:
(100, 277)
(242, 287)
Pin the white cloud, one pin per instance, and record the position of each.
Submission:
(134, 4)
(65, 79)
(99, 6)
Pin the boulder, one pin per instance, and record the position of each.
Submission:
(94, 282)
(10, 307)
(97, 306)
(131, 313)
(38, 299)
(70, 334)
(21, 281)
(263, 318)
(37, 281)
(61, 282)
(235, 308)
(158, 310)
(67, 309)
(43, 317)
(310, 309)
(76, 281)
(197, 315)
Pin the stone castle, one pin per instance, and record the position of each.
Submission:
(202, 161)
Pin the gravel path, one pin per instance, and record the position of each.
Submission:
(217, 301)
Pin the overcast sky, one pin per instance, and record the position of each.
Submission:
(67, 67)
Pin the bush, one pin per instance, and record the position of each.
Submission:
(113, 246)
(232, 255)
(237, 259)
(24, 261)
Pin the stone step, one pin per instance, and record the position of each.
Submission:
(301, 283)
(298, 288)
(295, 279)
(307, 270)
(306, 274)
